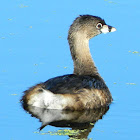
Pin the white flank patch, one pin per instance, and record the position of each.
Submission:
(48, 100)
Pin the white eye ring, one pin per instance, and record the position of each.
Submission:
(99, 26)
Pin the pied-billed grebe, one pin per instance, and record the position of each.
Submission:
(84, 89)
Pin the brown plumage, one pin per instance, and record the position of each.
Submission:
(84, 89)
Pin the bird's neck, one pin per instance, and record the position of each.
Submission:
(83, 62)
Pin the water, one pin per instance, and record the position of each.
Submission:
(34, 48)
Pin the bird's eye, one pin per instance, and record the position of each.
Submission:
(99, 26)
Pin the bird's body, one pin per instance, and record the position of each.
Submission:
(84, 89)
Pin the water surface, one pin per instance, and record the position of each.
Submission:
(34, 48)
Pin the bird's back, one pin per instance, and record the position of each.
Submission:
(72, 83)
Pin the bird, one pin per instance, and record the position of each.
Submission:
(85, 88)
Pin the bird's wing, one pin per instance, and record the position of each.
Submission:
(73, 83)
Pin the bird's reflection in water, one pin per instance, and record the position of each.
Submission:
(80, 122)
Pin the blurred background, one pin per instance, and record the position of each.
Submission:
(34, 48)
